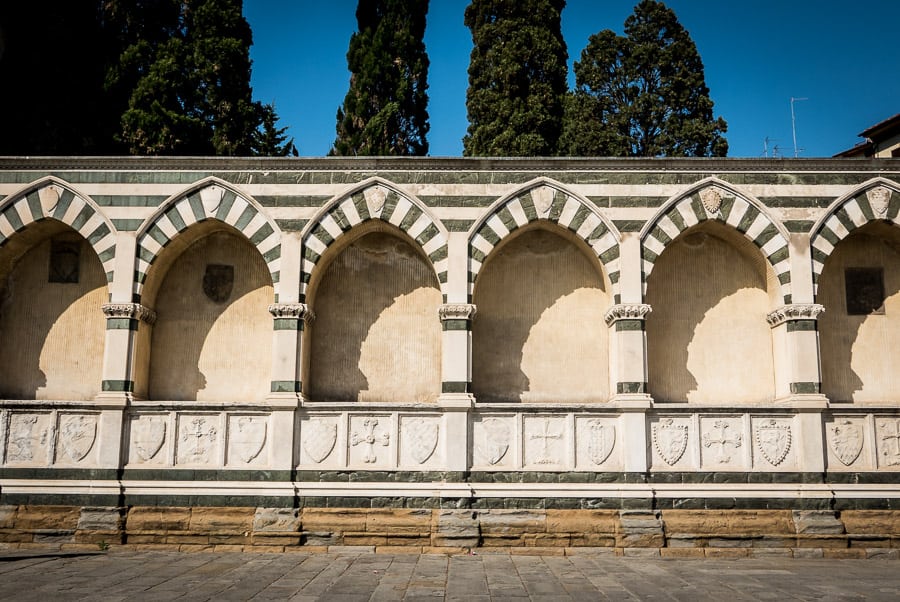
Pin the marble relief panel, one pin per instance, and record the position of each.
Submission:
(248, 437)
(723, 443)
(322, 441)
(887, 441)
(670, 443)
(545, 442)
(76, 438)
(846, 441)
(420, 445)
(373, 441)
(597, 444)
(494, 441)
(774, 443)
(198, 440)
(149, 439)
(30, 436)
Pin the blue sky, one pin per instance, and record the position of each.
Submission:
(843, 56)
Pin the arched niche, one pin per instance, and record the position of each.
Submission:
(52, 287)
(539, 335)
(376, 336)
(707, 337)
(212, 339)
(859, 331)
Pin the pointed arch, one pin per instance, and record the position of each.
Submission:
(210, 198)
(724, 203)
(374, 198)
(547, 199)
(53, 198)
(877, 199)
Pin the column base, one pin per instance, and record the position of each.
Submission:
(115, 399)
(803, 400)
(286, 399)
(631, 400)
(462, 401)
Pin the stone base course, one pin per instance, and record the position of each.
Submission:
(665, 533)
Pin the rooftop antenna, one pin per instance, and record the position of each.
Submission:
(766, 142)
(794, 126)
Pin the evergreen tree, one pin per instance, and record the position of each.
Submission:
(643, 94)
(193, 96)
(517, 77)
(385, 109)
(271, 140)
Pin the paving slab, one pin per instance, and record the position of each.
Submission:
(365, 576)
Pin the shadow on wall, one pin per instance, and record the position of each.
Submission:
(539, 335)
(212, 341)
(52, 332)
(859, 351)
(377, 335)
(707, 338)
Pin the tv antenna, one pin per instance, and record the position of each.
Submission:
(794, 125)
(766, 142)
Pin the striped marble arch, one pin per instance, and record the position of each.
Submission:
(211, 198)
(374, 198)
(875, 200)
(53, 198)
(545, 199)
(715, 199)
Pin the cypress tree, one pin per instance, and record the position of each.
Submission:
(517, 77)
(385, 110)
(194, 97)
(643, 94)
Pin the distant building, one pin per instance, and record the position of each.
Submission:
(882, 141)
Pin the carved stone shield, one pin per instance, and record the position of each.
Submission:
(375, 197)
(846, 440)
(211, 198)
(601, 438)
(218, 281)
(247, 437)
(670, 440)
(543, 200)
(495, 439)
(149, 436)
(421, 437)
(711, 199)
(319, 439)
(879, 199)
(77, 435)
(773, 441)
(49, 197)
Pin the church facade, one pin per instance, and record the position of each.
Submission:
(679, 356)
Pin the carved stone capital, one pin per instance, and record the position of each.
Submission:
(457, 311)
(300, 311)
(795, 311)
(627, 311)
(134, 311)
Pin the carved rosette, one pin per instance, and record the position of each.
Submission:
(300, 311)
(134, 311)
(795, 311)
(457, 311)
(627, 311)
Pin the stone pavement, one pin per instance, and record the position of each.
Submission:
(155, 575)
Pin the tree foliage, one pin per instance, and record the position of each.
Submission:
(385, 111)
(269, 139)
(517, 77)
(193, 97)
(642, 94)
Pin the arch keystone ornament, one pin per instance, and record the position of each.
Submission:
(49, 197)
(845, 438)
(319, 439)
(879, 199)
(773, 441)
(375, 196)
(543, 200)
(211, 198)
(711, 198)
(670, 440)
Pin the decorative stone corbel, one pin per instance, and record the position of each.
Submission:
(793, 312)
(132, 311)
(297, 311)
(457, 311)
(627, 311)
